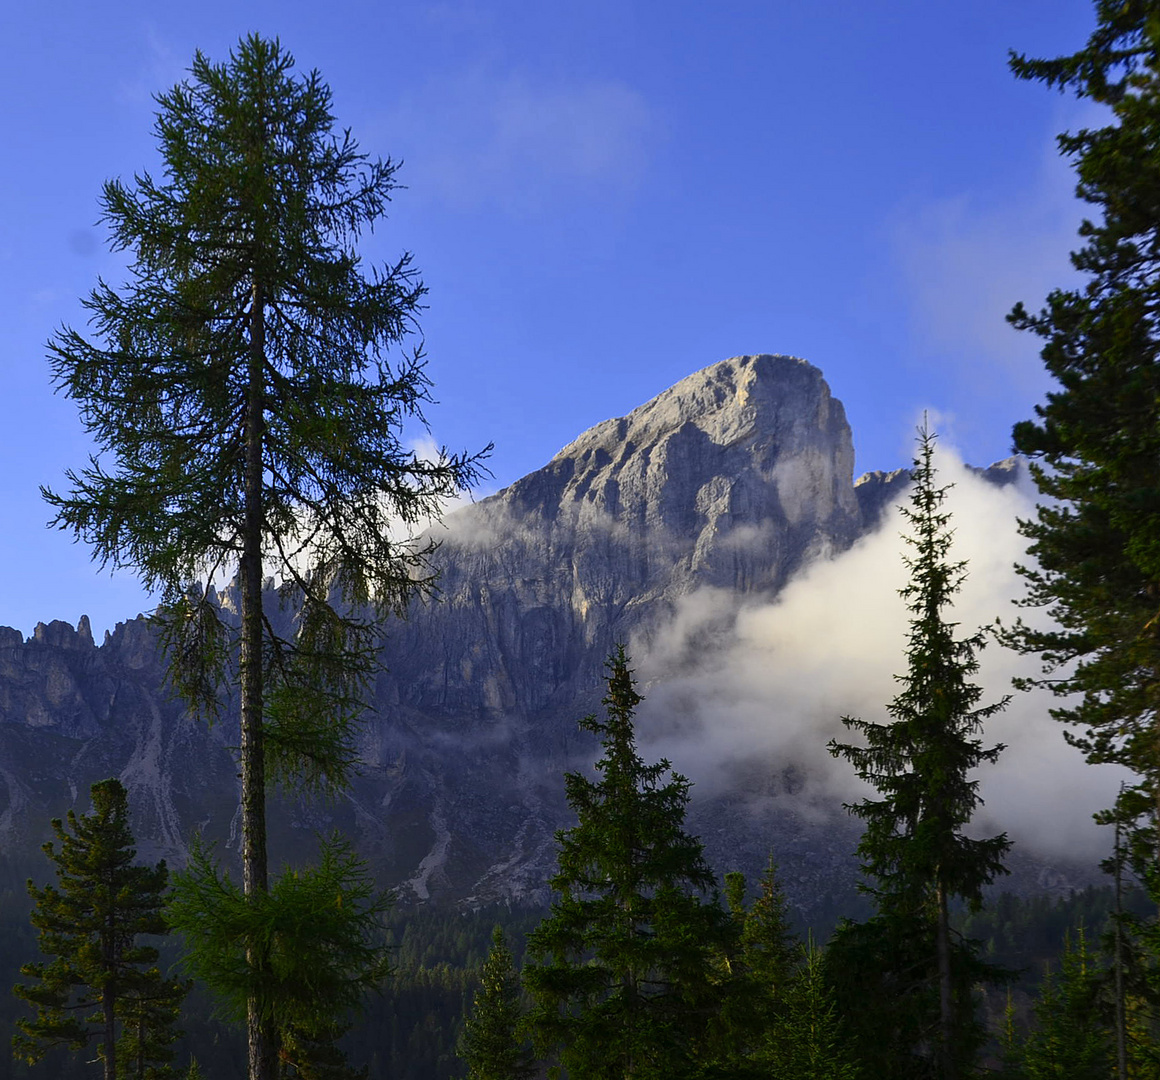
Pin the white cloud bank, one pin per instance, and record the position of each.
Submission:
(765, 686)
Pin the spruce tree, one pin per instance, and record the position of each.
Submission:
(768, 945)
(760, 963)
(492, 1044)
(808, 1043)
(622, 976)
(1073, 1037)
(1010, 1045)
(247, 390)
(914, 848)
(102, 986)
(1094, 444)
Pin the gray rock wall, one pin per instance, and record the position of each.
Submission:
(734, 478)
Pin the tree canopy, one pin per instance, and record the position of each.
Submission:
(914, 848)
(1095, 441)
(249, 389)
(90, 923)
(622, 970)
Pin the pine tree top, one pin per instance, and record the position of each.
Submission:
(921, 762)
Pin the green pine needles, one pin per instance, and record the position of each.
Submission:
(623, 973)
(920, 763)
(914, 848)
(103, 986)
(492, 1043)
(320, 928)
(1095, 442)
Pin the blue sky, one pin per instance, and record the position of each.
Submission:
(602, 198)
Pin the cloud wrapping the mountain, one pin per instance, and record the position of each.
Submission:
(728, 686)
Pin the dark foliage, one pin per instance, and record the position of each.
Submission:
(1095, 442)
(915, 850)
(249, 418)
(623, 970)
(492, 1044)
(102, 988)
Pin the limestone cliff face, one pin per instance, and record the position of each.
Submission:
(72, 713)
(734, 478)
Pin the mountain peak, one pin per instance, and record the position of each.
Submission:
(728, 401)
(753, 442)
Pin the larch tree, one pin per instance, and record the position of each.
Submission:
(622, 971)
(320, 929)
(247, 390)
(1095, 441)
(103, 985)
(914, 847)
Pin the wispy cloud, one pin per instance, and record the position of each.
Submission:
(160, 68)
(966, 266)
(512, 140)
(965, 261)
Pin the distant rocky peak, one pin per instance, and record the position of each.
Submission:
(735, 399)
(748, 440)
(61, 635)
(731, 478)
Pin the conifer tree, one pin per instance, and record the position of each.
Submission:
(102, 986)
(314, 1055)
(1072, 1038)
(492, 1044)
(1010, 1045)
(807, 1043)
(248, 411)
(767, 941)
(321, 928)
(1095, 540)
(914, 848)
(760, 963)
(622, 970)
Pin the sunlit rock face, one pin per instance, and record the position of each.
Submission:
(733, 478)
(730, 481)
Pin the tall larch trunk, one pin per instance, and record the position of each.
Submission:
(109, 996)
(945, 991)
(261, 1034)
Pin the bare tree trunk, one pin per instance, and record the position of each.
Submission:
(261, 1036)
(1121, 1011)
(109, 999)
(945, 989)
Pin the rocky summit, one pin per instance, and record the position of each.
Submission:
(733, 479)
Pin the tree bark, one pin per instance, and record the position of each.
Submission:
(1121, 1011)
(945, 989)
(109, 998)
(260, 1032)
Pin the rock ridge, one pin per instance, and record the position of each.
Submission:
(732, 480)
